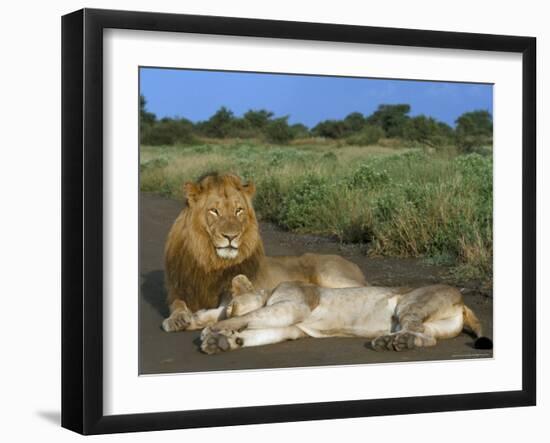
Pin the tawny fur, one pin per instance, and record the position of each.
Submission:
(393, 318)
(194, 272)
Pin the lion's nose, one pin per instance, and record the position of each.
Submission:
(230, 237)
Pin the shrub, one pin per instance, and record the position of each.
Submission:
(474, 130)
(475, 123)
(391, 118)
(258, 119)
(278, 131)
(355, 122)
(369, 135)
(427, 130)
(299, 131)
(159, 162)
(366, 176)
(168, 132)
(472, 143)
(269, 201)
(334, 129)
(301, 205)
(145, 118)
(219, 125)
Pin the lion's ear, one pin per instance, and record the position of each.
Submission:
(191, 191)
(249, 188)
(241, 285)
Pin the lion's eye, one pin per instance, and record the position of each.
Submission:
(214, 211)
(239, 211)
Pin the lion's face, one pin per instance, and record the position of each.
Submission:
(223, 209)
(225, 220)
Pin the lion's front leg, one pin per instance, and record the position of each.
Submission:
(179, 319)
(182, 319)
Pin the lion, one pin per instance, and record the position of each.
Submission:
(393, 318)
(216, 237)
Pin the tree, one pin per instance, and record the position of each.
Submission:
(145, 118)
(445, 130)
(474, 130)
(369, 135)
(391, 118)
(475, 123)
(337, 129)
(219, 125)
(278, 131)
(168, 131)
(330, 129)
(355, 122)
(258, 119)
(299, 130)
(422, 129)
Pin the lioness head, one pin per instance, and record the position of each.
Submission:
(222, 209)
(245, 298)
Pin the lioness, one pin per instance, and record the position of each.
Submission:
(215, 238)
(394, 318)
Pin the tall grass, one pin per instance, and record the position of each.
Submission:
(403, 202)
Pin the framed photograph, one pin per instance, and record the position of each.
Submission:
(268, 221)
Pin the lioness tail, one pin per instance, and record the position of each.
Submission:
(472, 323)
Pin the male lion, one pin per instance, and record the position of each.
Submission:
(215, 238)
(394, 318)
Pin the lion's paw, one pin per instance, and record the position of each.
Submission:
(178, 321)
(215, 342)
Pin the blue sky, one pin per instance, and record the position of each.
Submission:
(196, 95)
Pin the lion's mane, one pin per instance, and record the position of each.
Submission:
(194, 273)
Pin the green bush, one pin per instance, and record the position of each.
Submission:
(269, 202)
(473, 143)
(301, 207)
(159, 162)
(278, 131)
(334, 129)
(391, 118)
(220, 124)
(369, 135)
(299, 131)
(168, 132)
(427, 131)
(368, 175)
(355, 122)
(258, 119)
(474, 131)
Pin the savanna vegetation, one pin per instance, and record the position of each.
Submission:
(406, 186)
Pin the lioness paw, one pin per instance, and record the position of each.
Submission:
(394, 342)
(400, 341)
(215, 342)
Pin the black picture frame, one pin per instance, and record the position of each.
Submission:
(82, 218)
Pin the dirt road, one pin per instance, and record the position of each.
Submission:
(161, 352)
